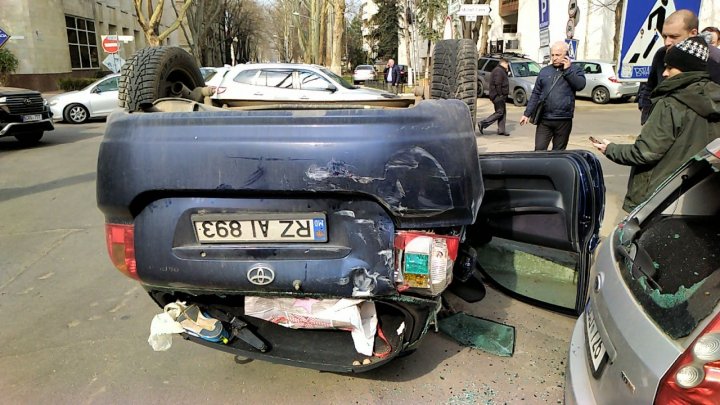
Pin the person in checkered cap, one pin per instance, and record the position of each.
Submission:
(684, 118)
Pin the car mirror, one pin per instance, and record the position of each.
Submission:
(96, 90)
(331, 88)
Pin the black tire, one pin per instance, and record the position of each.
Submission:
(30, 138)
(76, 114)
(520, 97)
(600, 95)
(454, 73)
(625, 99)
(151, 73)
(480, 89)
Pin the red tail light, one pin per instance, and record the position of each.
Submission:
(121, 248)
(220, 90)
(614, 79)
(695, 376)
(424, 261)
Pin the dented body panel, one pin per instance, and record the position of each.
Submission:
(420, 164)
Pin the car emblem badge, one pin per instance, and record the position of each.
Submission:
(27, 101)
(261, 275)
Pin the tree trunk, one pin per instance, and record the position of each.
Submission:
(338, 36)
(618, 20)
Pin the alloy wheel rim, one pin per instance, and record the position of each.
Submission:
(77, 114)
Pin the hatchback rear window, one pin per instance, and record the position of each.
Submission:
(672, 265)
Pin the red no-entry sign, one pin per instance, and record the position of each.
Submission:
(110, 43)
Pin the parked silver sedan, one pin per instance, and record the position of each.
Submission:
(602, 83)
(289, 82)
(94, 101)
(650, 332)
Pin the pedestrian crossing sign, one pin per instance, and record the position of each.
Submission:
(572, 48)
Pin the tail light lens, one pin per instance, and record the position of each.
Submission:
(614, 79)
(220, 90)
(121, 248)
(695, 376)
(424, 261)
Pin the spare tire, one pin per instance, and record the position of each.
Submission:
(156, 72)
(454, 72)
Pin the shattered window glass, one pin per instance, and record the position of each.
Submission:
(679, 249)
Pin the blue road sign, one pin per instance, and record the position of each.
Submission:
(642, 34)
(544, 9)
(4, 36)
(572, 48)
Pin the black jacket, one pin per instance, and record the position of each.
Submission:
(395, 75)
(560, 103)
(499, 83)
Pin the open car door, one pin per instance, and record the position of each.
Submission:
(538, 225)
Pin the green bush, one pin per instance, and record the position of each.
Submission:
(8, 64)
(74, 83)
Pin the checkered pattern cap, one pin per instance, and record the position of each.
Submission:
(689, 55)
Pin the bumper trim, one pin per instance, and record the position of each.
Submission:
(47, 124)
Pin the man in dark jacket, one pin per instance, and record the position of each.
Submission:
(392, 75)
(556, 84)
(677, 27)
(684, 118)
(498, 93)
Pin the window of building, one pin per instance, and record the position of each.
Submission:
(509, 28)
(82, 42)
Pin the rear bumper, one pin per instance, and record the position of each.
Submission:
(13, 128)
(403, 323)
(577, 376)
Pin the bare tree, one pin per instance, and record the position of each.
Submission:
(202, 17)
(338, 35)
(151, 22)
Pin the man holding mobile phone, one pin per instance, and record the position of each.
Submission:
(554, 90)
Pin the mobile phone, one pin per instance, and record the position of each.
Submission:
(593, 140)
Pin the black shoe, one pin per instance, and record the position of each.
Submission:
(504, 133)
(482, 127)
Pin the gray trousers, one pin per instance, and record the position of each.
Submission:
(499, 115)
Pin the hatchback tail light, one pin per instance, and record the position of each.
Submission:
(121, 248)
(695, 376)
(424, 261)
(614, 79)
(220, 90)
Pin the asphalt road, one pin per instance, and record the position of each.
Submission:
(74, 330)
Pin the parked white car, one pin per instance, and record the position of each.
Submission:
(96, 100)
(602, 84)
(290, 82)
(363, 73)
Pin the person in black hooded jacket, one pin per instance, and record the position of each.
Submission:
(556, 84)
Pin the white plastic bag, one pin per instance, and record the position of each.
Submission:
(163, 326)
(357, 316)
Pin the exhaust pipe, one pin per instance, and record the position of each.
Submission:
(198, 94)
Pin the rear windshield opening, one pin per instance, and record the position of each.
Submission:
(682, 244)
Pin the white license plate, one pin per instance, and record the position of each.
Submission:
(32, 117)
(231, 228)
(596, 348)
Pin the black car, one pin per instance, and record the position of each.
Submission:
(24, 114)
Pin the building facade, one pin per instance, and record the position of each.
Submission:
(515, 26)
(55, 39)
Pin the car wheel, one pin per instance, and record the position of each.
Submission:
(600, 95)
(480, 89)
(454, 72)
(157, 72)
(76, 114)
(30, 138)
(519, 97)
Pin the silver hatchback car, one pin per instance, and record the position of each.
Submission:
(650, 332)
(602, 84)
